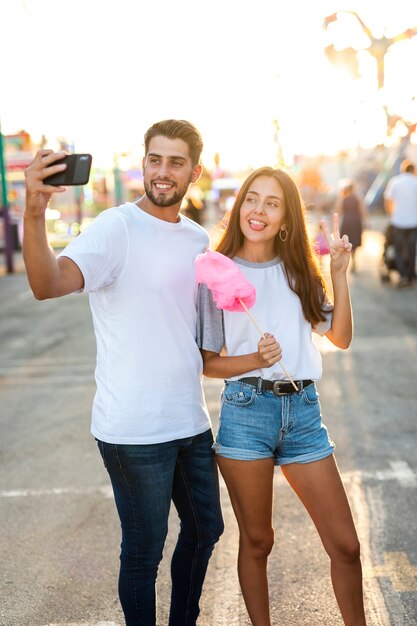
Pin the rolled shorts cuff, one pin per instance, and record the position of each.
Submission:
(239, 454)
(306, 458)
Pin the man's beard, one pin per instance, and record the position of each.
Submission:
(162, 200)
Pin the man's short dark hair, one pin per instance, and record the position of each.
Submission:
(177, 129)
(407, 166)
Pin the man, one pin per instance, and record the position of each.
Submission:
(401, 204)
(149, 415)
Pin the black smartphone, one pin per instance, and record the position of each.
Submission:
(77, 172)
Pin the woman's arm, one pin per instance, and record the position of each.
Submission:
(218, 366)
(341, 331)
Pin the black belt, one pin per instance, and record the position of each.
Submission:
(279, 387)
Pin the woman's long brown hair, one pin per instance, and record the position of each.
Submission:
(303, 273)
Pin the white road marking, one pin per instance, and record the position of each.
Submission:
(41, 369)
(400, 471)
(84, 624)
(44, 361)
(50, 380)
(228, 611)
(104, 490)
(48, 372)
(373, 596)
(403, 473)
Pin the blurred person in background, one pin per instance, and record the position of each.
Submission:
(352, 210)
(401, 205)
(136, 262)
(194, 208)
(264, 420)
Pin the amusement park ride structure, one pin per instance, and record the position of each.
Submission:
(377, 48)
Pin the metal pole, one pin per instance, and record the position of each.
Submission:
(8, 244)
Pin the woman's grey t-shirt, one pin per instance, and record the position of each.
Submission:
(277, 310)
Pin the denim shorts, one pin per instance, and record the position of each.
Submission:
(259, 425)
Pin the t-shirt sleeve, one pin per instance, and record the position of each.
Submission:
(100, 251)
(210, 325)
(322, 327)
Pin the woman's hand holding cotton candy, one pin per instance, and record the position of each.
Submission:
(269, 351)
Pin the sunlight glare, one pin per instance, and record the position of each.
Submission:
(99, 74)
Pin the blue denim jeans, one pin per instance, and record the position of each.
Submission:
(145, 478)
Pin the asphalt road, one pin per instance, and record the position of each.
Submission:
(60, 536)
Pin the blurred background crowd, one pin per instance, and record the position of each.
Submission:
(324, 90)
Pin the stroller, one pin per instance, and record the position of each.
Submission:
(388, 255)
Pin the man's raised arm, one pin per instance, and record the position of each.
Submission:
(48, 276)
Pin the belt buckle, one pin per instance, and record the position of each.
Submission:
(275, 388)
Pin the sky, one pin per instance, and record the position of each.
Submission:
(100, 72)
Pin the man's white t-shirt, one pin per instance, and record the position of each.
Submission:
(402, 189)
(139, 274)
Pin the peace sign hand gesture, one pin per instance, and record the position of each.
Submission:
(340, 247)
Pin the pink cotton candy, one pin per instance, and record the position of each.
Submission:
(228, 286)
(226, 282)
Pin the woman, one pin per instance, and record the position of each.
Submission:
(353, 213)
(264, 421)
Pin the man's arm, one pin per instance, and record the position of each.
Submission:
(389, 205)
(48, 276)
(388, 199)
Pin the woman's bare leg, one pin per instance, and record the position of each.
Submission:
(320, 489)
(250, 486)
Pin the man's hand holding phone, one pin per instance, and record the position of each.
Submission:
(37, 193)
(48, 173)
(77, 171)
(49, 276)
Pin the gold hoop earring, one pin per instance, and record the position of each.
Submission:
(283, 230)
